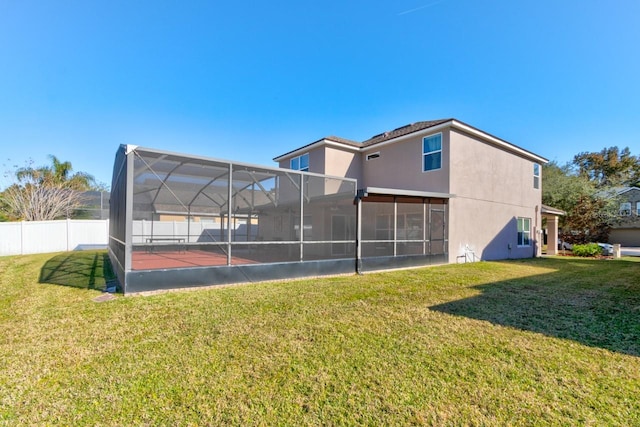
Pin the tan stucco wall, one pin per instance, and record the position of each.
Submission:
(400, 166)
(492, 188)
(344, 163)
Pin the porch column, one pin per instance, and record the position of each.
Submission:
(552, 235)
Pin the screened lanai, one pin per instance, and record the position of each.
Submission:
(181, 221)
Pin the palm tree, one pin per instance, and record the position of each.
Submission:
(58, 174)
(46, 192)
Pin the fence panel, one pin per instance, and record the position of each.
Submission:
(32, 237)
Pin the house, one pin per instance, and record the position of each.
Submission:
(430, 192)
(491, 188)
(627, 230)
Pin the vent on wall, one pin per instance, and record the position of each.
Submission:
(373, 156)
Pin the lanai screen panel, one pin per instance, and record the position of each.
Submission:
(118, 216)
(397, 226)
(193, 212)
(329, 220)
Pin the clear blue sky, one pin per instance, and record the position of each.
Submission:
(251, 80)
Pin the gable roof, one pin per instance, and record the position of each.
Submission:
(407, 131)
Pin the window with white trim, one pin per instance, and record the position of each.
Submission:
(625, 208)
(536, 175)
(300, 163)
(638, 208)
(432, 152)
(524, 231)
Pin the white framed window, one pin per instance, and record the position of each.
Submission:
(524, 231)
(625, 208)
(536, 175)
(432, 152)
(300, 163)
(638, 208)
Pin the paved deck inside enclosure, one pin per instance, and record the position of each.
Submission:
(180, 259)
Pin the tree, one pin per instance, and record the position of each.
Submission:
(609, 167)
(45, 193)
(590, 210)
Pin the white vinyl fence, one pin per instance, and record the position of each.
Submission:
(32, 237)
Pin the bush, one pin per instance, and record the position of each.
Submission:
(589, 249)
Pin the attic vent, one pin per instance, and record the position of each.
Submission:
(373, 156)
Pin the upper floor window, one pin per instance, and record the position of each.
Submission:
(625, 208)
(524, 231)
(300, 163)
(432, 152)
(536, 175)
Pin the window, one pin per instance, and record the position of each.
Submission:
(524, 231)
(536, 175)
(432, 152)
(638, 208)
(373, 156)
(625, 208)
(300, 163)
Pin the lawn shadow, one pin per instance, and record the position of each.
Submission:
(593, 306)
(79, 269)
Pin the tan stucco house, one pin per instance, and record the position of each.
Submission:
(430, 192)
(480, 194)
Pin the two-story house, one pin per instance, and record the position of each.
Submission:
(489, 188)
(430, 192)
(627, 230)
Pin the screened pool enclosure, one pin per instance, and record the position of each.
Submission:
(182, 221)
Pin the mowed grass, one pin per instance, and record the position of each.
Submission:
(545, 341)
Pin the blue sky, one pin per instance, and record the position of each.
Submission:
(251, 80)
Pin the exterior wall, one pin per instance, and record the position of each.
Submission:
(492, 188)
(400, 166)
(342, 163)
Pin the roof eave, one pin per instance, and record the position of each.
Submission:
(314, 145)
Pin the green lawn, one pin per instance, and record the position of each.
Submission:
(545, 341)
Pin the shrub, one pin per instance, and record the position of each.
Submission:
(587, 250)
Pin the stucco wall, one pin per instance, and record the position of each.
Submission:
(492, 188)
(400, 166)
(340, 162)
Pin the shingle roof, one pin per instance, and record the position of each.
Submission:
(403, 130)
(409, 129)
(342, 141)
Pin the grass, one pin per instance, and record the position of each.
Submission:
(545, 341)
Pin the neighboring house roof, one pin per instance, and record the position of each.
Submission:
(409, 131)
(615, 192)
(621, 191)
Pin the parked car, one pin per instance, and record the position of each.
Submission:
(564, 245)
(607, 249)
